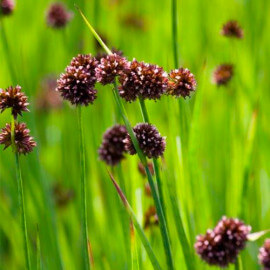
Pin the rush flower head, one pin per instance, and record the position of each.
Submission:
(58, 16)
(150, 217)
(264, 255)
(24, 143)
(222, 245)
(101, 55)
(181, 83)
(232, 29)
(143, 80)
(150, 141)
(77, 83)
(15, 99)
(62, 196)
(110, 67)
(223, 74)
(112, 148)
(6, 7)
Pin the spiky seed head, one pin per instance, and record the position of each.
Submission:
(15, 99)
(101, 55)
(58, 16)
(150, 217)
(264, 255)
(232, 29)
(150, 141)
(142, 80)
(6, 7)
(223, 74)
(181, 83)
(24, 143)
(110, 67)
(77, 83)
(112, 148)
(222, 245)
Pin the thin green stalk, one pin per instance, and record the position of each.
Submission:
(174, 33)
(138, 227)
(238, 264)
(163, 227)
(38, 265)
(83, 191)
(22, 210)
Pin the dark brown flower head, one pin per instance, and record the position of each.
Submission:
(112, 148)
(223, 74)
(134, 21)
(150, 217)
(101, 55)
(142, 170)
(77, 83)
(6, 7)
(222, 245)
(150, 141)
(110, 67)
(58, 16)
(143, 80)
(48, 98)
(62, 196)
(264, 255)
(232, 29)
(24, 143)
(15, 99)
(181, 83)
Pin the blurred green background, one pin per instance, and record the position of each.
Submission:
(216, 140)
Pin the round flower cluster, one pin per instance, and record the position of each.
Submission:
(223, 74)
(232, 29)
(6, 7)
(222, 245)
(264, 255)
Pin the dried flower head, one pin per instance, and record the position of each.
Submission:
(48, 98)
(232, 29)
(264, 255)
(101, 55)
(143, 80)
(142, 170)
(112, 148)
(15, 99)
(150, 217)
(6, 7)
(222, 245)
(58, 16)
(181, 83)
(150, 141)
(110, 67)
(223, 74)
(77, 83)
(24, 143)
(62, 196)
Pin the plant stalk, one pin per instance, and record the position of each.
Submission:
(83, 191)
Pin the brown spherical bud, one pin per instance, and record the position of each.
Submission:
(110, 67)
(232, 29)
(48, 98)
(223, 74)
(264, 255)
(6, 7)
(61, 195)
(150, 217)
(112, 148)
(181, 83)
(142, 80)
(15, 99)
(222, 245)
(58, 16)
(24, 143)
(77, 83)
(150, 141)
(101, 55)
(142, 170)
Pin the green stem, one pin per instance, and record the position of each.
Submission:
(174, 33)
(22, 210)
(83, 191)
(238, 263)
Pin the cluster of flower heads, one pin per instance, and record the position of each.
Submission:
(137, 79)
(116, 142)
(224, 72)
(17, 101)
(222, 245)
(264, 255)
(58, 16)
(6, 7)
